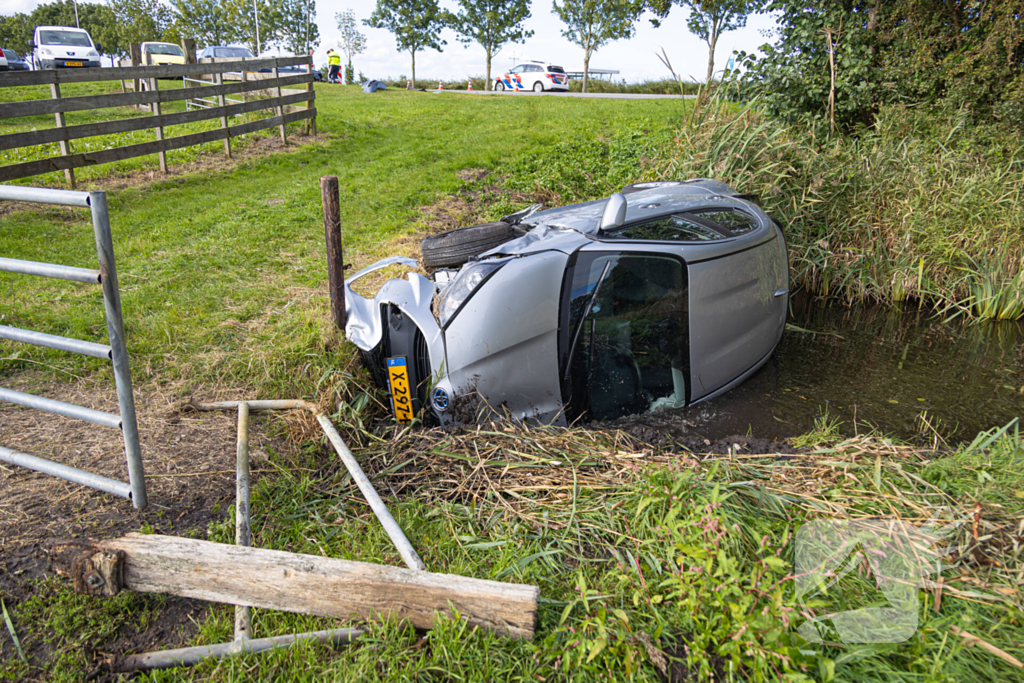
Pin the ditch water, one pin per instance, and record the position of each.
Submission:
(877, 366)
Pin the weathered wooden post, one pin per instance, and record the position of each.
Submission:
(65, 145)
(135, 55)
(335, 258)
(280, 107)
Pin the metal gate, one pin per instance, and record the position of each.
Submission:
(116, 351)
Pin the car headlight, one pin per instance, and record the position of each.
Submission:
(463, 286)
(46, 53)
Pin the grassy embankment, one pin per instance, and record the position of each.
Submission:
(638, 554)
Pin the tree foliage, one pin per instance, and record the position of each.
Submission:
(352, 41)
(492, 24)
(950, 54)
(297, 31)
(594, 23)
(416, 24)
(142, 20)
(208, 22)
(709, 19)
(16, 30)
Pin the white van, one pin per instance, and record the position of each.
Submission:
(58, 47)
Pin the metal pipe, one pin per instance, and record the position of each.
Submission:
(279, 404)
(243, 523)
(190, 656)
(54, 469)
(43, 195)
(118, 348)
(13, 265)
(60, 408)
(394, 531)
(52, 341)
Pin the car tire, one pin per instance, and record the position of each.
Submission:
(538, 87)
(456, 247)
(499, 86)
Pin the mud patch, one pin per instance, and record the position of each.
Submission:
(189, 460)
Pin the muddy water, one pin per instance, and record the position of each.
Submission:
(879, 367)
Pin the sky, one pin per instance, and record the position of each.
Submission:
(634, 58)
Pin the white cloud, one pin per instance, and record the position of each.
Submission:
(634, 59)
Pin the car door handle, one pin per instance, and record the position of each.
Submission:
(780, 292)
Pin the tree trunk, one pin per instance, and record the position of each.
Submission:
(711, 61)
(586, 70)
(413, 53)
(488, 85)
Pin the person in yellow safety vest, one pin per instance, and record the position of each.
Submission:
(334, 67)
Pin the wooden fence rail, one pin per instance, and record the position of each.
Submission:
(283, 103)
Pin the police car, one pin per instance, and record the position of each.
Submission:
(535, 76)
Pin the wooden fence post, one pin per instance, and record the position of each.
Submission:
(159, 129)
(65, 145)
(135, 54)
(219, 80)
(280, 108)
(335, 256)
(310, 122)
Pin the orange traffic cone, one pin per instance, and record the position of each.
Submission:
(470, 84)
(440, 85)
(408, 84)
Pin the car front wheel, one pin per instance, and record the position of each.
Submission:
(538, 87)
(499, 86)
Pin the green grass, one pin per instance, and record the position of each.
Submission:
(222, 273)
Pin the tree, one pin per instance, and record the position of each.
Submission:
(416, 24)
(257, 32)
(492, 23)
(98, 20)
(709, 19)
(352, 41)
(208, 22)
(593, 23)
(297, 30)
(141, 20)
(16, 32)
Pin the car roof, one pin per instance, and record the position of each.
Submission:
(63, 28)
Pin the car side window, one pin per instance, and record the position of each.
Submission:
(677, 228)
(734, 221)
(516, 70)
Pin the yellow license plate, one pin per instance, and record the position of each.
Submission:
(401, 392)
(72, 64)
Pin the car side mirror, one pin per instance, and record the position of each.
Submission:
(31, 46)
(98, 47)
(614, 214)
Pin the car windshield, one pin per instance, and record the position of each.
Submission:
(627, 345)
(72, 38)
(165, 50)
(232, 52)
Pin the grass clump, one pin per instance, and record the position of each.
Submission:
(910, 208)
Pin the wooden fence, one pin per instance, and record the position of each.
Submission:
(287, 104)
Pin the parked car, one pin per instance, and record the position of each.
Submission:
(664, 295)
(157, 53)
(15, 62)
(536, 76)
(226, 52)
(59, 47)
(4, 66)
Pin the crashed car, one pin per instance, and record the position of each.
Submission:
(661, 296)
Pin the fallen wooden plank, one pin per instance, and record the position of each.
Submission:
(320, 586)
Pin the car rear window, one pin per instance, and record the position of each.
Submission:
(735, 222)
(556, 69)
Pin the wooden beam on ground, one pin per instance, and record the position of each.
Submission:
(320, 586)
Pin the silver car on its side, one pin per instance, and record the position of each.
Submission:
(662, 296)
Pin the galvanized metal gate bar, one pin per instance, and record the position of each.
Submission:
(116, 351)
